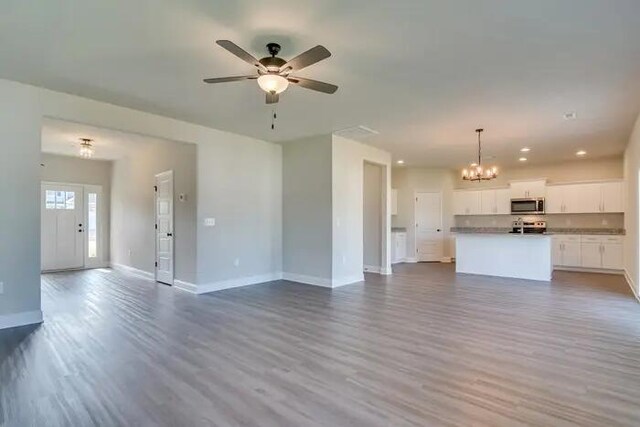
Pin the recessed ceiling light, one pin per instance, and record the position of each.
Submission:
(473, 165)
(523, 159)
(581, 153)
(400, 162)
(525, 149)
(571, 115)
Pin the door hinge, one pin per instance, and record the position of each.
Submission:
(156, 264)
(155, 188)
(156, 225)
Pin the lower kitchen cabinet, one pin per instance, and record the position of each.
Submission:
(588, 251)
(398, 247)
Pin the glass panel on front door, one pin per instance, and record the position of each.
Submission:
(92, 225)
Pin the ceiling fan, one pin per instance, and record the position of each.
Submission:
(274, 73)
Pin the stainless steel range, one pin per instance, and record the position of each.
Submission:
(528, 227)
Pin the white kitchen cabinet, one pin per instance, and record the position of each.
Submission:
(503, 201)
(495, 202)
(590, 256)
(398, 247)
(466, 202)
(394, 202)
(585, 198)
(612, 257)
(528, 189)
(612, 196)
(566, 250)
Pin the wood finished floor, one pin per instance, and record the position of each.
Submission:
(423, 347)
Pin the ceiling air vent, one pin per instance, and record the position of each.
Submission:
(356, 132)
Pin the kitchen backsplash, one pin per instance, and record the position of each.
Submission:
(614, 220)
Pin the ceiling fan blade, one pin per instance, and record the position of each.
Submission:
(241, 53)
(313, 84)
(310, 57)
(229, 79)
(272, 98)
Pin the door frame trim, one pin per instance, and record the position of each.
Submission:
(173, 224)
(415, 221)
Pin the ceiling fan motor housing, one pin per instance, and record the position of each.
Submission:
(272, 63)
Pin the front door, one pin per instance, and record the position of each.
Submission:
(62, 227)
(429, 236)
(164, 227)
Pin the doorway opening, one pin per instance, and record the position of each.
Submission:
(429, 240)
(374, 203)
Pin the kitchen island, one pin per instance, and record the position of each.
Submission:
(521, 256)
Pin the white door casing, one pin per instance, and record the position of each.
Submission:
(429, 235)
(164, 227)
(62, 227)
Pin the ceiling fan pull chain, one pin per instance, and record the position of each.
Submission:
(273, 119)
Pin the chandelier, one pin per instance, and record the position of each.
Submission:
(86, 148)
(476, 172)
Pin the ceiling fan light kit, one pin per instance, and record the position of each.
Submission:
(274, 73)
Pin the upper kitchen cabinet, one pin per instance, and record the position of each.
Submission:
(466, 203)
(603, 197)
(495, 202)
(528, 189)
(394, 201)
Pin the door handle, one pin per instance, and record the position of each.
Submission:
(438, 230)
(169, 234)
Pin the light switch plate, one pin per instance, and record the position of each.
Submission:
(1, 288)
(209, 222)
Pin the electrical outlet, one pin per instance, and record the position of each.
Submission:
(236, 262)
(1, 288)
(209, 222)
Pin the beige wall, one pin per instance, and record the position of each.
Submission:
(578, 170)
(410, 180)
(74, 170)
(631, 171)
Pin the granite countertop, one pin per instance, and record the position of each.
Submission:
(557, 230)
(398, 230)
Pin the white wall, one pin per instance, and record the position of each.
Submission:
(20, 120)
(632, 214)
(410, 180)
(373, 204)
(307, 209)
(133, 198)
(76, 170)
(348, 158)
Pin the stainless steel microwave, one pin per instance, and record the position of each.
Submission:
(532, 206)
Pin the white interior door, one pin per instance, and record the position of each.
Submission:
(62, 227)
(429, 235)
(164, 227)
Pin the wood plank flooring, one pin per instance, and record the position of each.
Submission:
(423, 347)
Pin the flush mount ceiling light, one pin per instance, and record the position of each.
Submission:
(525, 149)
(581, 153)
(400, 162)
(476, 172)
(274, 73)
(522, 159)
(86, 148)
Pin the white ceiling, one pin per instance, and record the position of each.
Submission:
(423, 73)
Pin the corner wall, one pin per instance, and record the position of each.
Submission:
(20, 122)
(632, 213)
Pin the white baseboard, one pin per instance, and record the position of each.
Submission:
(20, 319)
(631, 284)
(185, 286)
(136, 272)
(236, 283)
(372, 269)
(411, 260)
(307, 280)
(587, 270)
(347, 280)
(386, 271)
